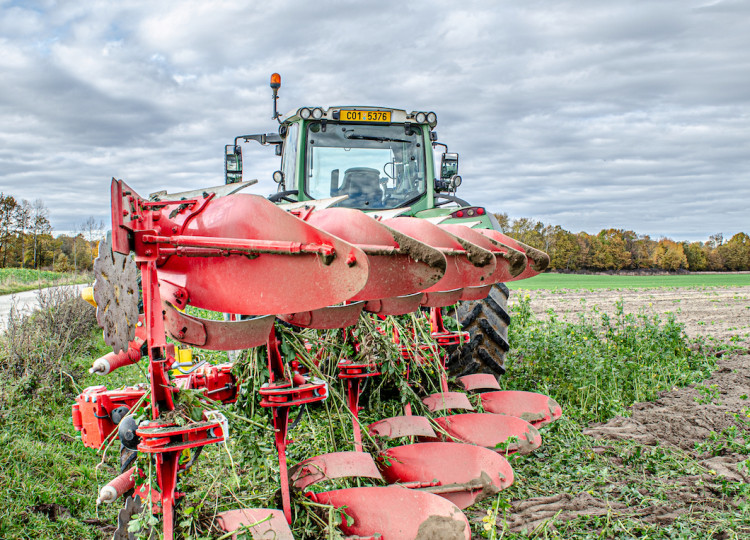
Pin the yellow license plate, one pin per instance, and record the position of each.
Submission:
(354, 115)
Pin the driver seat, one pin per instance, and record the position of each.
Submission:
(363, 185)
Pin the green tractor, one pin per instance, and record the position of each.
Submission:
(382, 160)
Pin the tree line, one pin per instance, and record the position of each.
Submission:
(620, 249)
(26, 239)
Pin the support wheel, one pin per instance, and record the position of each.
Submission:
(487, 323)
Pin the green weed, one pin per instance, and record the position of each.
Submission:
(708, 394)
(600, 365)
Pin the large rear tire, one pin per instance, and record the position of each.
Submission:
(487, 323)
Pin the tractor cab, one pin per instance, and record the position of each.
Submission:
(376, 165)
(379, 157)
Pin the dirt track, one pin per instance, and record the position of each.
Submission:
(679, 419)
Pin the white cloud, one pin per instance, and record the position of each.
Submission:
(586, 114)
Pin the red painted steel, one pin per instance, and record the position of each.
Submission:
(402, 426)
(243, 254)
(538, 260)
(259, 523)
(479, 381)
(217, 381)
(537, 409)
(462, 473)
(93, 408)
(326, 318)
(468, 264)
(334, 465)
(395, 305)
(438, 299)
(209, 249)
(447, 401)
(399, 264)
(352, 373)
(213, 282)
(475, 293)
(502, 271)
(396, 513)
(504, 434)
(158, 437)
(216, 335)
(279, 394)
(112, 361)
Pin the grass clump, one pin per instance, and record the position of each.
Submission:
(36, 347)
(48, 482)
(13, 280)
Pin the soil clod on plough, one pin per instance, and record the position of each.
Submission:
(238, 253)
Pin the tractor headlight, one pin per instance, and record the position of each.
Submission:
(420, 117)
(278, 177)
(317, 113)
(432, 119)
(305, 113)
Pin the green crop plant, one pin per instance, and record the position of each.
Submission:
(599, 365)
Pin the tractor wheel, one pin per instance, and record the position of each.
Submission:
(487, 323)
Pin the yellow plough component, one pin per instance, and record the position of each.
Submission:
(88, 295)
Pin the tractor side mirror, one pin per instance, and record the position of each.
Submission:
(232, 164)
(448, 166)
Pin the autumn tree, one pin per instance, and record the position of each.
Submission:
(670, 255)
(736, 252)
(40, 226)
(503, 221)
(529, 232)
(22, 219)
(609, 251)
(567, 252)
(7, 223)
(695, 252)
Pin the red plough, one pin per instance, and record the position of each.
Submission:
(238, 253)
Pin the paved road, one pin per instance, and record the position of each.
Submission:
(24, 301)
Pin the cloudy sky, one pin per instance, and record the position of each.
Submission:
(588, 114)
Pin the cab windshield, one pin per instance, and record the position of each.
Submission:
(377, 166)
